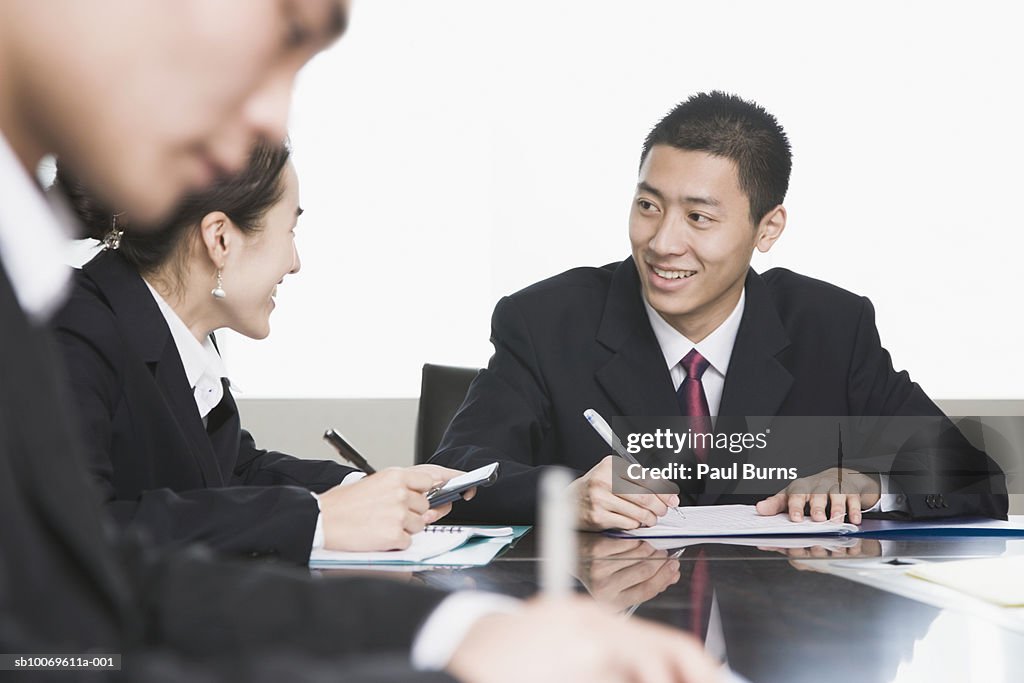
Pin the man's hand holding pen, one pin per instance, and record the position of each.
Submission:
(599, 506)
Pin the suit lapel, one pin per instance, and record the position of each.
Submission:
(146, 332)
(170, 377)
(757, 382)
(224, 428)
(635, 377)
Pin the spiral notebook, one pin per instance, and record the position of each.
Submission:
(435, 540)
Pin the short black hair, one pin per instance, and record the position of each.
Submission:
(726, 125)
(244, 197)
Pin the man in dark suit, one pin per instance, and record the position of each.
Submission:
(686, 327)
(66, 585)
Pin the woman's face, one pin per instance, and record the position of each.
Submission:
(257, 265)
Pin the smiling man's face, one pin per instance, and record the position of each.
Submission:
(693, 237)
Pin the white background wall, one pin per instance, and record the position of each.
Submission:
(454, 151)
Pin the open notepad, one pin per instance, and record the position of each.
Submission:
(435, 540)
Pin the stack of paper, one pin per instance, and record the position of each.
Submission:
(435, 540)
(733, 520)
(743, 520)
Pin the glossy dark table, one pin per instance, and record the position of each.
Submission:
(788, 614)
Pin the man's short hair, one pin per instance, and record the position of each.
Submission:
(728, 126)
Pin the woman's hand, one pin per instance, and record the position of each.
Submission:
(379, 512)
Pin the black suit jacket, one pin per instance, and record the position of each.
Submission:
(67, 585)
(157, 465)
(582, 340)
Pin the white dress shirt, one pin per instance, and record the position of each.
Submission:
(717, 350)
(204, 368)
(34, 232)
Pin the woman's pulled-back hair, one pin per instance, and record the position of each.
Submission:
(244, 197)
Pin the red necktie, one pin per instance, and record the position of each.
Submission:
(692, 401)
(700, 596)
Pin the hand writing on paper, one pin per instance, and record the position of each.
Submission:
(820, 493)
(622, 572)
(599, 507)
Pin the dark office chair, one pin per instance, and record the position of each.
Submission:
(441, 393)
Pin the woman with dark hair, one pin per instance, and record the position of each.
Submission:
(159, 422)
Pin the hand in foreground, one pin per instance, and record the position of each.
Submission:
(822, 490)
(379, 512)
(622, 572)
(576, 640)
(598, 507)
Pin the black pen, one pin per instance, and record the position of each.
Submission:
(345, 449)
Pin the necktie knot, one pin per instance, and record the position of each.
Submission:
(694, 364)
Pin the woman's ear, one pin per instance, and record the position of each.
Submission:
(215, 237)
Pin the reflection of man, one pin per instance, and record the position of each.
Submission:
(149, 101)
(686, 327)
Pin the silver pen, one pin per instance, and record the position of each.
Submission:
(606, 433)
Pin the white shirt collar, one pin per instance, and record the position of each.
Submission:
(203, 365)
(34, 231)
(716, 347)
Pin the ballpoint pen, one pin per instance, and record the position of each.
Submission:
(347, 451)
(602, 428)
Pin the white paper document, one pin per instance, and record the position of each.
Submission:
(830, 543)
(733, 520)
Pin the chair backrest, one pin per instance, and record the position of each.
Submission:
(442, 391)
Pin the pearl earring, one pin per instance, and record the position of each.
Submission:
(218, 291)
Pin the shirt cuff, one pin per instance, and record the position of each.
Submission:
(447, 626)
(318, 532)
(352, 478)
(890, 497)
